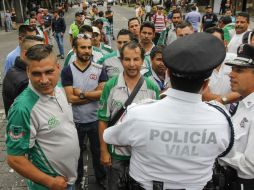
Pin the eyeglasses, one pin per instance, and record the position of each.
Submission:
(85, 36)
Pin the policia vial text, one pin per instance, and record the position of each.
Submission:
(182, 143)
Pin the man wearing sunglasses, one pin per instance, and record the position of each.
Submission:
(96, 42)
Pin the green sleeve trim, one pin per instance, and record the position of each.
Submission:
(103, 112)
(107, 56)
(18, 127)
(70, 54)
(150, 85)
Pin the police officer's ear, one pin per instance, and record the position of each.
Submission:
(204, 86)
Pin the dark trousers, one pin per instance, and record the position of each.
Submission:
(91, 130)
(117, 175)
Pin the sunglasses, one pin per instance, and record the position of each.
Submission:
(85, 36)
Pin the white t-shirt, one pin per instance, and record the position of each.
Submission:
(235, 42)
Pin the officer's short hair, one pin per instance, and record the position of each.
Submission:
(85, 28)
(156, 49)
(39, 52)
(132, 45)
(192, 85)
(245, 15)
(184, 24)
(214, 29)
(126, 32)
(131, 19)
(147, 24)
(225, 20)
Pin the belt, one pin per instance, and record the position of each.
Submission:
(245, 181)
(157, 185)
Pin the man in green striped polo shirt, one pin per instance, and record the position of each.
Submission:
(42, 141)
(116, 91)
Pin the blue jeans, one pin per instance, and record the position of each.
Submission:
(59, 41)
(91, 130)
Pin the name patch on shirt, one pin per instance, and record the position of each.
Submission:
(181, 142)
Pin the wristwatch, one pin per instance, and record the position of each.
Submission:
(224, 100)
(82, 95)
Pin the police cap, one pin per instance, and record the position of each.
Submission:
(245, 56)
(194, 56)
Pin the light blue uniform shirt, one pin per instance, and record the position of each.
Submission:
(10, 59)
(194, 18)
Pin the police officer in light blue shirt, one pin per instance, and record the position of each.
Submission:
(175, 141)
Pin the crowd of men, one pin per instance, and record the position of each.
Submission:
(143, 106)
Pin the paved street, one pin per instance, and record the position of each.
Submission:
(9, 180)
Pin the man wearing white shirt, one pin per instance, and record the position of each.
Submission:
(219, 83)
(241, 26)
(241, 157)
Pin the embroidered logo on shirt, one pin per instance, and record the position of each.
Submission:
(242, 123)
(16, 132)
(53, 122)
(93, 76)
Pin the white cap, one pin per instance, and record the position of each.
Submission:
(96, 30)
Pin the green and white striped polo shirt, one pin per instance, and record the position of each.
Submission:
(104, 49)
(42, 127)
(114, 95)
(112, 64)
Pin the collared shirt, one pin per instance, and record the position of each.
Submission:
(104, 49)
(154, 77)
(112, 64)
(241, 157)
(10, 59)
(173, 138)
(86, 80)
(42, 127)
(219, 82)
(235, 42)
(113, 97)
